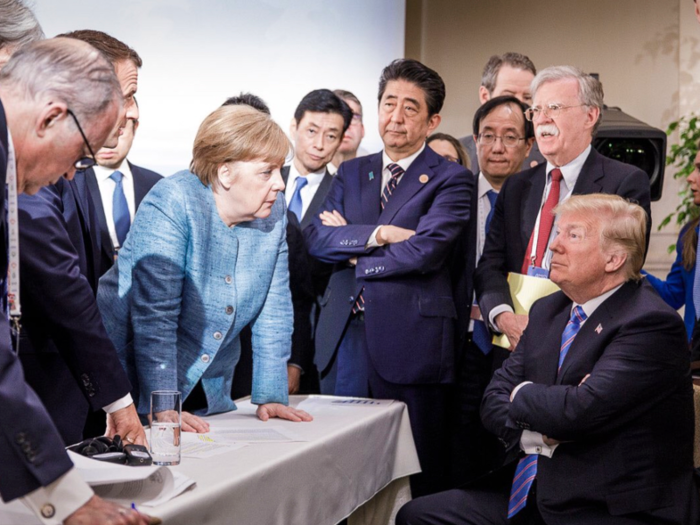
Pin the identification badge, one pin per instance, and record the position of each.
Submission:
(536, 271)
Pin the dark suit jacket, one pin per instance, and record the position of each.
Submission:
(409, 304)
(31, 451)
(627, 432)
(516, 211)
(67, 356)
(144, 180)
(308, 277)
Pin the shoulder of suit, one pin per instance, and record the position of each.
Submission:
(144, 172)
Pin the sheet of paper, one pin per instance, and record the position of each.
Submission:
(201, 446)
(315, 402)
(525, 290)
(264, 433)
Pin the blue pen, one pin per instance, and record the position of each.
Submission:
(133, 506)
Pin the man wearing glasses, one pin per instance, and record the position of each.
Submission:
(67, 356)
(353, 135)
(503, 138)
(566, 109)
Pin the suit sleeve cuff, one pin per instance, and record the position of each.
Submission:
(533, 443)
(372, 242)
(289, 363)
(55, 502)
(495, 312)
(119, 404)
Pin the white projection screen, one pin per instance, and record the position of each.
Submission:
(197, 53)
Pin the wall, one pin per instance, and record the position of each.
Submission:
(635, 45)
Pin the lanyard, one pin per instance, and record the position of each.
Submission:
(13, 226)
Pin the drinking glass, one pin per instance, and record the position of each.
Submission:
(166, 418)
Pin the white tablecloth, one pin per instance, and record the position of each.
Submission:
(353, 453)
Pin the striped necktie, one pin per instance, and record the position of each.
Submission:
(527, 467)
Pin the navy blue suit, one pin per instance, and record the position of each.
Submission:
(31, 450)
(144, 180)
(67, 356)
(410, 312)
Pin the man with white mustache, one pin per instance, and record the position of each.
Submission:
(567, 105)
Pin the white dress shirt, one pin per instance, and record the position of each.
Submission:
(308, 191)
(570, 173)
(107, 187)
(530, 441)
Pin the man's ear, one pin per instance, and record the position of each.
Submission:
(614, 261)
(433, 123)
(49, 117)
(484, 94)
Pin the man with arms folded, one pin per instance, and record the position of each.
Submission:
(41, 141)
(595, 406)
(389, 224)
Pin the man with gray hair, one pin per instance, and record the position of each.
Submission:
(19, 27)
(596, 402)
(510, 75)
(566, 112)
(48, 128)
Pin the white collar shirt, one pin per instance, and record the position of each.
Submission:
(308, 191)
(107, 186)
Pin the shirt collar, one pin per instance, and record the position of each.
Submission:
(592, 305)
(102, 173)
(404, 163)
(570, 171)
(313, 179)
(484, 186)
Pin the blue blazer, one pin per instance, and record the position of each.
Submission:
(677, 289)
(410, 312)
(183, 288)
(31, 451)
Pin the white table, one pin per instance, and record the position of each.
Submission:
(357, 459)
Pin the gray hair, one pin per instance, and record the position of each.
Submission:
(623, 226)
(65, 69)
(19, 26)
(590, 90)
(493, 67)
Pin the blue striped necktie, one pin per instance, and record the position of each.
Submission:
(396, 172)
(527, 467)
(120, 209)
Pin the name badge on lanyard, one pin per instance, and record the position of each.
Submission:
(536, 271)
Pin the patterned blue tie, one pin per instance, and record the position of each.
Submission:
(388, 191)
(481, 335)
(527, 467)
(696, 282)
(120, 209)
(295, 205)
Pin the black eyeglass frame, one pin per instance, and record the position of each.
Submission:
(83, 163)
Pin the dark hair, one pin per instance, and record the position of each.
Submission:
(113, 49)
(248, 99)
(491, 104)
(457, 145)
(493, 66)
(422, 76)
(347, 95)
(324, 101)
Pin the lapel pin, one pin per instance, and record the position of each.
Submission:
(371, 175)
(598, 329)
(423, 178)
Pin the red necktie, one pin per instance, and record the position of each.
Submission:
(546, 222)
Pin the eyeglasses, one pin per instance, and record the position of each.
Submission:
(550, 110)
(509, 141)
(84, 162)
(357, 118)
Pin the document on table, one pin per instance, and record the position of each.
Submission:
(315, 402)
(201, 446)
(264, 433)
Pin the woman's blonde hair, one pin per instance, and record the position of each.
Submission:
(236, 133)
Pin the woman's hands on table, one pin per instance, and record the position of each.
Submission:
(268, 410)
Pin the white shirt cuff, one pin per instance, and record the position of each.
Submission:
(295, 366)
(517, 388)
(532, 443)
(58, 500)
(119, 404)
(372, 242)
(495, 312)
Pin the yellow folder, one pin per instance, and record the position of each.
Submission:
(525, 290)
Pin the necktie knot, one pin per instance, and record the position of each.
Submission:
(395, 170)
(296, 205)
(300, 183)
(117, 176)
(578, 316)
(556, 175)
(492, 196)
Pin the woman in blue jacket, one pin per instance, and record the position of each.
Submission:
(205, 257)
(677, 289)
